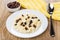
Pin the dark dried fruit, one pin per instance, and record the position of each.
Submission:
(15, 24)
(14, 4)
(29, 25)
(19, 18)
(25, 23)
(28, 17)
(22, 15)
(17, 21)
(30, 22)
(34, 17)
(26, 28)
(38, 19)
(22, 23)
(34, 26)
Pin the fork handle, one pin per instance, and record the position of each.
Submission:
(52, 33)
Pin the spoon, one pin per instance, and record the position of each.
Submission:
(50, 11)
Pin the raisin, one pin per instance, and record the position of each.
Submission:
(19, 18)
(22, 15)
(26, 28)
(34, 17)
(38, 20)
(15, 24)
(17, 21)
(29, 25)
(14, 4)
(22, 23)
(34, 26)
(30, 22)
(28, 17)
(25, 23)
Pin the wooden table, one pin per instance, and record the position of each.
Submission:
(5, 35)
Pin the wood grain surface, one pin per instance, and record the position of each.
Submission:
(5, 35)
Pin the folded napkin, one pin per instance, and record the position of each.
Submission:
(41, 6)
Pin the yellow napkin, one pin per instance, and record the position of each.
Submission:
(41, 6)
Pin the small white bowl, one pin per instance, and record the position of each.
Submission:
(12, 9)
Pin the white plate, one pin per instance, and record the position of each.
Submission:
(44, 23)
